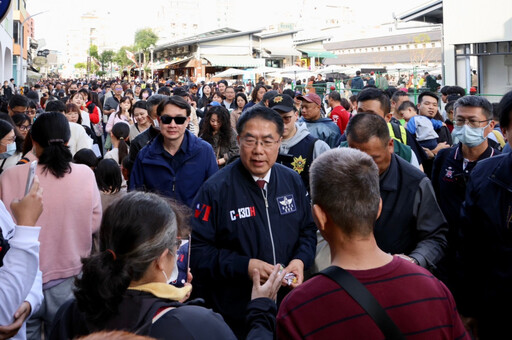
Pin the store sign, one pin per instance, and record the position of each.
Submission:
(5, 6)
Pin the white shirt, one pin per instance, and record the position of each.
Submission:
(266, 178)
(79, 139)
(20, 277)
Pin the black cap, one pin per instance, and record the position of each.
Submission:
(282, 103)
(179, 91)
(193, 85)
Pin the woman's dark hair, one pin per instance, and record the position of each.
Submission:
(135, 231)
(5, 127)
(244, 97)
(19, 138)
(87, 157)
(218, 94)
(254, 93)
(20, 118)
(225, 130)
(51, 131)
(84, 91)
(128, 91)
(141, 104)
(121, 131)
(108, 176)
(145, 90)
(120, 111)
(73, 107)
(93, 96)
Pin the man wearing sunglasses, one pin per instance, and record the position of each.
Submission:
(176, 163)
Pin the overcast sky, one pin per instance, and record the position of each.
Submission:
(61, 14)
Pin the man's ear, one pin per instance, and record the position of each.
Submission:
(391, 145)
(388, 116)
(380, 208)
(320, 217)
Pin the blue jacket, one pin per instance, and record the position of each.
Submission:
(324, 129)
(486, 239)
(231, 227)
(357, 83)
(179, 176)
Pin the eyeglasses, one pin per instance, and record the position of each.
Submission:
(179, 120)
(471, 122)
(24, 127)
(20, 112)
(252, 142)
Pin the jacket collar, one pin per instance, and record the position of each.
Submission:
(164, 290)
(389, 179)
(186, 145)
(489, 152)
(501, 175)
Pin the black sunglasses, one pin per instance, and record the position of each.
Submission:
(180, 120)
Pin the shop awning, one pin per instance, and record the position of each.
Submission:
(233, 61)
(175, 63)
(319, 54)
(283, 52)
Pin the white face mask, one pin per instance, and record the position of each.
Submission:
(174, 274)
(155, 121)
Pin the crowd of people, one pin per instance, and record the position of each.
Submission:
(306, 211)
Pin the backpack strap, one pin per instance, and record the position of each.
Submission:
(499, 137)
(365, 299)
(397, 132)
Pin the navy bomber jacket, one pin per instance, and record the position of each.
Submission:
(231, 226)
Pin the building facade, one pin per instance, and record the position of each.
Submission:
(6, 46)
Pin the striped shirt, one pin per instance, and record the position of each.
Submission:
(420, 305)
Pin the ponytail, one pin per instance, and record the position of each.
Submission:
(121, 131)
(51, 131)
(99, 291)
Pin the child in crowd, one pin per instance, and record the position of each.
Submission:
(421, 126)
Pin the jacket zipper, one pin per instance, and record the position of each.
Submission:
(264, 193)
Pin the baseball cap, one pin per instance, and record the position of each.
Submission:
(192, 85)
(311, 98)
(180, 91)
(282, 103)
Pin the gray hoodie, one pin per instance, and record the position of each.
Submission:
(302, 132)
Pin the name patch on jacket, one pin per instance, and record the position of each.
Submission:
(286, 204)
(242, 213)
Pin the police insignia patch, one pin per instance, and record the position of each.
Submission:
(286, 204)
(278, 99)
(299, 164)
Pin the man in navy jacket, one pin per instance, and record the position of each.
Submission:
(249, 216)
(486, 240)
(176, 163)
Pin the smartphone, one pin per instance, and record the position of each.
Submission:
(182, 262)
(30, 177)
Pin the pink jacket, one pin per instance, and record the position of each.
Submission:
(71, 214)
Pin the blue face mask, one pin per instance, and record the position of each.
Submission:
(468, 135)
(11, 149)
